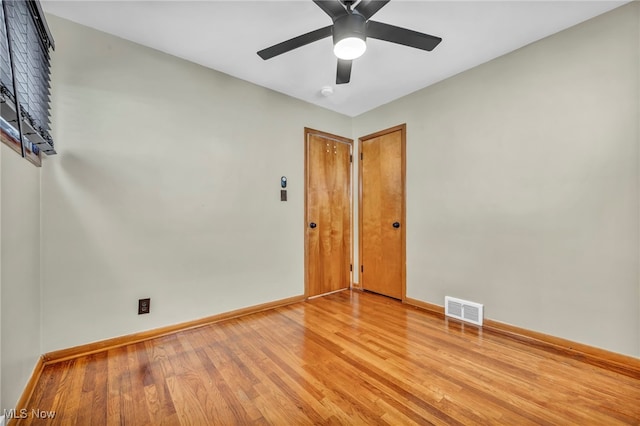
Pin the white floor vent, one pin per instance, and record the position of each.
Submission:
(463, 310)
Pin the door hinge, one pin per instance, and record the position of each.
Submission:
(351, 158)
(361, 268)
(361, 156)
(351, 268)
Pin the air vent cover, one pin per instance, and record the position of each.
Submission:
(463, 310)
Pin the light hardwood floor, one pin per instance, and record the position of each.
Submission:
(346, 358)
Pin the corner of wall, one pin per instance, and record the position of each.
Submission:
(1, 406)
(40, 263)
(637, 6)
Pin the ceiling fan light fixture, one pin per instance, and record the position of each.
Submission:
(349, 35)
(350, 48)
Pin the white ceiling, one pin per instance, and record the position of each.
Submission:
(225, 36)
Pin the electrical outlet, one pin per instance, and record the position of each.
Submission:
(144, 306)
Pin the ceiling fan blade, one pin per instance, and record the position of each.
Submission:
(333, 8)
(399, 35)
(368, 8)
(344, 71)
(294, 43)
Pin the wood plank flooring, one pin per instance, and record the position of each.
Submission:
(346, 358)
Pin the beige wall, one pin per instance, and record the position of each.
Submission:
(166, 186)
(20, 313)
(522, 184)
(638, 133)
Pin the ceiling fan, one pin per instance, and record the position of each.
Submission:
(350, 29)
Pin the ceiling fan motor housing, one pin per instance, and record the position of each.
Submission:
(350, 25)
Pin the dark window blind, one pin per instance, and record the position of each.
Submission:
(26, 42)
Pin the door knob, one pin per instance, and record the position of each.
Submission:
(312, 225)
(396, 224)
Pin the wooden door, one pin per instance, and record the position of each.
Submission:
(382, 212)
(327, 213)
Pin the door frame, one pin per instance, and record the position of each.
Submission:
(308, 131)
(403, 228)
